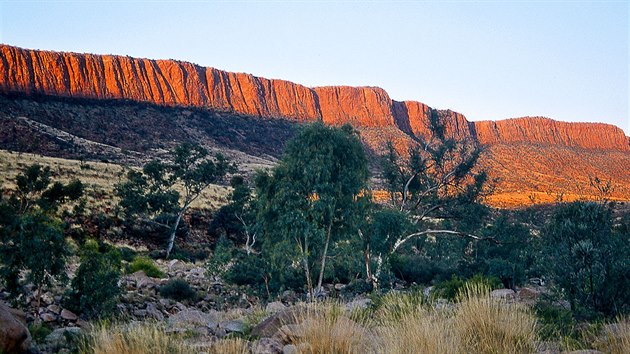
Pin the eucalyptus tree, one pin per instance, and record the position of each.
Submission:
(309, 201)
(152, 194)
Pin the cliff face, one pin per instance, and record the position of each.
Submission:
(539, 130)
(175, 83)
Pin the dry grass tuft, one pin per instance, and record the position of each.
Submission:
(486, 325)
(229, 346)
(326, 328)
(616, 339)
(421, 331)
(145, 338)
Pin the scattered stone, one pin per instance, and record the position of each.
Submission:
(154, 313)
(288, 333)
(267, 346)
(48, 317)
(339, 286)
(427, 291)
(507, 294)
(54, 309)
(68, 315)
(528, 294)
(360, 304)
(269, 326)
(274, 307)
(60, 336)
(192, 317)
(14, 336)
(176, 265)
(289, 349)
(233, 326)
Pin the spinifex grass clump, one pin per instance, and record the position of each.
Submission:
(487, 325)
(132, 339)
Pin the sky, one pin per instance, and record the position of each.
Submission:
(567, 60)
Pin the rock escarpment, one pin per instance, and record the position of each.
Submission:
(176, 83)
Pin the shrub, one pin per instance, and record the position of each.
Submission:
(147, 265)
(94, 291)
(451, 289)
(587, 257)
(127, 254)
(177, 289)
(39, 332)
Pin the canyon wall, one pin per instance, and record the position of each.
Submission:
(176, 83)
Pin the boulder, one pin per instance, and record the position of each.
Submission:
(506, 294)
(274, 307)
(14, 336)
(48, 317)
(68, 315)
(231, 326)
(289, 349)
(528, 294)
(60, 336)
(267, 346)
(154, 313)
(192, 317)
(269, 326)
(360, 304)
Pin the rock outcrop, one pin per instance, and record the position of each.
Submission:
(540, 130)
(14, 336)
(176, 83)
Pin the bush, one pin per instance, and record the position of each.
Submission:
(451, 289)
(39, 332)
(127, 254)
(178, 289)
(147, 265)
(94, 291)
(586, 257)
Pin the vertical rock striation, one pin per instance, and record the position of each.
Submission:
(176, 83)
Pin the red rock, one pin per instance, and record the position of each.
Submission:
(14, 336)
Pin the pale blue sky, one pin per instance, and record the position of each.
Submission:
(486, 59)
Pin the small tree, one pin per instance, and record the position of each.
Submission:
(309, 199)
(95, 289)
(31, 236)
(150, 194)
(587, 259)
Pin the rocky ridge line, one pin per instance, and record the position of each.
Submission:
(177, 83)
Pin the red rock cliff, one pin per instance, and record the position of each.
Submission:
(539, 130)
(169, 82)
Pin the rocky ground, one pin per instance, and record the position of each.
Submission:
(219, 311)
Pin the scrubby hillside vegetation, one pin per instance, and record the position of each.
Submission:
(187, 254)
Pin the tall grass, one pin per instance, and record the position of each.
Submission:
(327, 328)
(616, 337)
(487, 325)
(142, 338)
(476, 324)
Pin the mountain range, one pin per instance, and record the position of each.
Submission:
(136, 105)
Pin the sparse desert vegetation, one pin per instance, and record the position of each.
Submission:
(301, 258)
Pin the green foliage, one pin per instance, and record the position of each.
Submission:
(178, 289)
(149, 195)
(588, 259)
(31, 235)
(39, 331)
(221, 258)
(147, 265)
(236, 218)
(94, 290)
(308, 202)
(451, 289)
(127, 254)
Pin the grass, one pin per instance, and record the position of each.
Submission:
(142, 338)
(615, 338)
(99, 178)
(147, 265)
(326, 328)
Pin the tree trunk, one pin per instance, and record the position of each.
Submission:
(323, 263)
(171, 239)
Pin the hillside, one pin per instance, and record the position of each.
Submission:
(122, 108)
